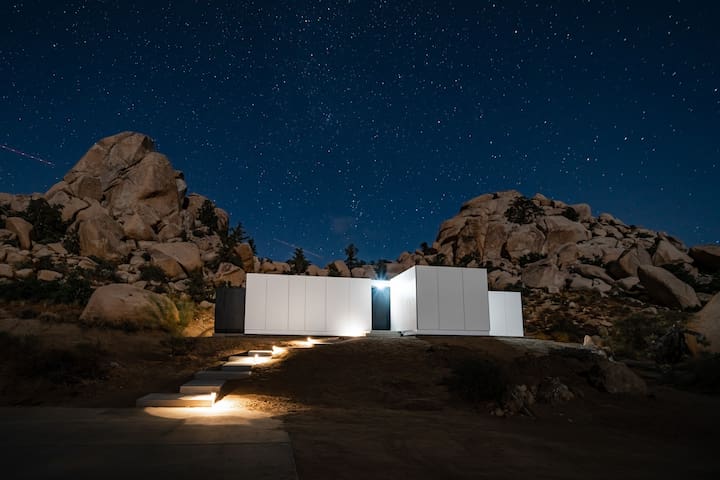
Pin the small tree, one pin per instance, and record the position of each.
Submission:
(207, 216)
(229, 241)
(298, 263)
(351, 260)
(381, 270)
(46, 219)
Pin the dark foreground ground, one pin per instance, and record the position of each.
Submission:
(361, 409)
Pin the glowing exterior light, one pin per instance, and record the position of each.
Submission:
(381, 284)
(278, 350)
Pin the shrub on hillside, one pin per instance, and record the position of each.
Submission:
(73, 289)
(152, 273)
(522, 211)
(571, 214)
(46, 220)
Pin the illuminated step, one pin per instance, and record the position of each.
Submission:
(237, 366)
(198, 386)
(260, 353)
(243, 360)
(222, 375)
(175, 400)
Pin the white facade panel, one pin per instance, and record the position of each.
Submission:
(451, 310)
(315, 295)
(427, 299)
(403, 301)
(338, 302)
(359, 313)
(296, 295)
(506, 314)
(277, 303)
(255, 302)
(475, 299)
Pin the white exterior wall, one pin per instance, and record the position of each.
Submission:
(452, 301)
(301, 305)
(403, 302)
(506, 314)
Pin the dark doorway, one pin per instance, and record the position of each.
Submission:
(230, 310)
(381, 308)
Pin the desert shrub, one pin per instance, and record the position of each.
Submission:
(522, 211)
(571, 214)
(46, 219)
(198, 288)
(531, 258)
(438, 260)
(104, 270)
(228, 241)
(187, 310)
(468, 259)
(207, 216)
(152, 273)
(73, 289)
(71, 241)
(477, 380)
(638, 335)
(46, 263)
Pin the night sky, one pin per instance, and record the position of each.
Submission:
(323, 123)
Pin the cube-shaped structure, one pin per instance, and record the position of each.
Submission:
(423, 300)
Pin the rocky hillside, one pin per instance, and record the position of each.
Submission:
(122, 214)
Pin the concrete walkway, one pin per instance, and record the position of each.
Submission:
(225, 441)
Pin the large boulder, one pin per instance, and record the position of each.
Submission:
(247, 256)
(560, 230)
(22, 229)
(135, 228)
(101, 236)
(666, 253)
(707, 322)
(524, 240)
(185, 253)
(628, 263)
(543, 274)
(229, 274)
(666, 289)
(593, 271)
(150, 182)
(706, 257)
(341, 267)
(125, 306)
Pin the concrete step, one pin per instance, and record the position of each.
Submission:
(223, 374)
(237, 366)
(383, 333)
(175, 400)
(243, 360)
(198, 386)
(260, 353)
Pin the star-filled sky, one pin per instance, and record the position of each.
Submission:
(320, 123)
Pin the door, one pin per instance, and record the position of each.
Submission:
(381, 308)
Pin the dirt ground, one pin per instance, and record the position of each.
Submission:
(381, 408)
(384, 407)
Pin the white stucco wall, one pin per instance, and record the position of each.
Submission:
(506, 314)
(302, 305)
(452, 301)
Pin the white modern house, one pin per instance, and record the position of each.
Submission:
(423, 300)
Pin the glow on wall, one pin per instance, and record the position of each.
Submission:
(300, 305)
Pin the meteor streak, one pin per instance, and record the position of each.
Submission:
(26, 155)
(292, 245)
